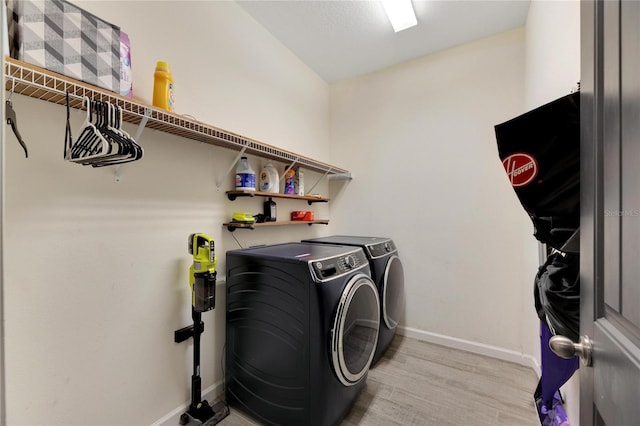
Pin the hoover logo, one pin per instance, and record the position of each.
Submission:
(521, 169)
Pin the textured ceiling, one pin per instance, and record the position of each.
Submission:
(342, 39)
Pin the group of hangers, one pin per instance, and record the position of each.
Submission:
(101, 140)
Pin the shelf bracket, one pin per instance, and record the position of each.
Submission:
(311, 202)
(341, 176)
(289, 168)
(233, 164)
(233, 196)
(13, 87)
(231, 227)
(136, 137)
(318, 181)
(143, 124)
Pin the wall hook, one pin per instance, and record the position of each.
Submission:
(12, 121)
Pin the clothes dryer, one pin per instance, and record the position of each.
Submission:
(387, 273)
(302, 324)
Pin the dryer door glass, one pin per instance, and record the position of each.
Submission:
(355, 330)
(393, 292)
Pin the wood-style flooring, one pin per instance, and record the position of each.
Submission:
(419, 383)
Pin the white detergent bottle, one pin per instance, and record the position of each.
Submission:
(245, 176)
(269, 179)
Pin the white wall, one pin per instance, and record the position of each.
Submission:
(228, 70)
(96, 273)
(552, 71)
(552, 50)
(421, 144)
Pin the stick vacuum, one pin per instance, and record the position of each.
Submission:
(202, 280)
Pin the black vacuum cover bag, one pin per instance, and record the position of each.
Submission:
(557, 294)
(540, 151)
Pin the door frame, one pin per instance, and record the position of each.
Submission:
(3, 389)
(591, 199)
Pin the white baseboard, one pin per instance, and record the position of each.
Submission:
(209, 394)
(473, 347)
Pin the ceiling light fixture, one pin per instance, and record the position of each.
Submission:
(400, 13)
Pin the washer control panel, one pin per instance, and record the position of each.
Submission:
(382, 248)
(334, 267)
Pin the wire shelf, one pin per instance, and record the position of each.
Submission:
(29, 80)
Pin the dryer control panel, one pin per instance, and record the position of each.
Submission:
(381, 249)
(334, 267)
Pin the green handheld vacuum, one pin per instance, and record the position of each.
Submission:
(202, 272)
(202, 281)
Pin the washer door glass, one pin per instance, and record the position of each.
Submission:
(393, 292)
(355, 330)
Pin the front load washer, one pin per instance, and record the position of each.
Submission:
(388, 274)
(302, 324)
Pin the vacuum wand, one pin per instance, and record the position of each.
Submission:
(196, 380)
